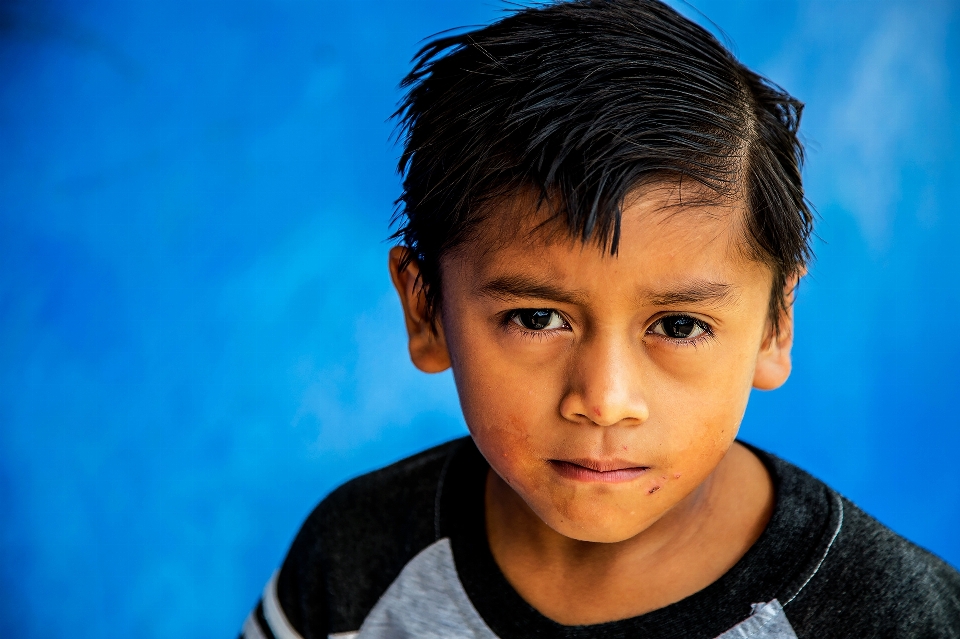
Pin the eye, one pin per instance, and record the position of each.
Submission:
(682, 327)
(538, 319)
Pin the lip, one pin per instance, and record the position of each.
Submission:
(596, 470)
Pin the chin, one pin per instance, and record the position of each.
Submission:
(599, 525)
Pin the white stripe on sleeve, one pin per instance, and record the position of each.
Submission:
(273, 613)
(251, 629)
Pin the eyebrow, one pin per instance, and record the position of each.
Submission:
(520, 286)
(694, 292)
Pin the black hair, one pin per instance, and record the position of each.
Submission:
(584, 101)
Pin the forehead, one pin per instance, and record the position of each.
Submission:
(675, 248)
(661, 223)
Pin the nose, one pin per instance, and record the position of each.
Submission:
(604, 385)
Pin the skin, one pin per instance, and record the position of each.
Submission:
(606, 387)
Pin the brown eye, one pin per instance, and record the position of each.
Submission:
(538, 319)
(680, 327)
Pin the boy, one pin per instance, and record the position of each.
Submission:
(604, 224)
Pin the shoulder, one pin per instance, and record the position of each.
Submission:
(868, 581)
(880, 584)
(357, 540)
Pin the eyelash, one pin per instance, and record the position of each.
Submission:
(680, 342)
(510, 323)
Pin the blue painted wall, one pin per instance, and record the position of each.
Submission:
(197, 335)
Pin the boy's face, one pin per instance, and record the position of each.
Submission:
(605, 389)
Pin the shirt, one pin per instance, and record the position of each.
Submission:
(402, 552)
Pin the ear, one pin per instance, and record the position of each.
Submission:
(773, 362)
(428, 348)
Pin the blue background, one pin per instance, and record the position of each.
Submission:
(198, 338)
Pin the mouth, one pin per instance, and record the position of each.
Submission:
(595, 470)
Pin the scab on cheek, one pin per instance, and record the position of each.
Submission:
(653, 490)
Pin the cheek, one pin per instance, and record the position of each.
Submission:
(502, 408)
(502, 437)
(711, 429)
(706, 392)
(500, 384)
(695, 419)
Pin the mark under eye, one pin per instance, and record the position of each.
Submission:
(537, 319)
(680, 327)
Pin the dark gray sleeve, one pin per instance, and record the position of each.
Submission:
(874, 583)
(356, 542)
